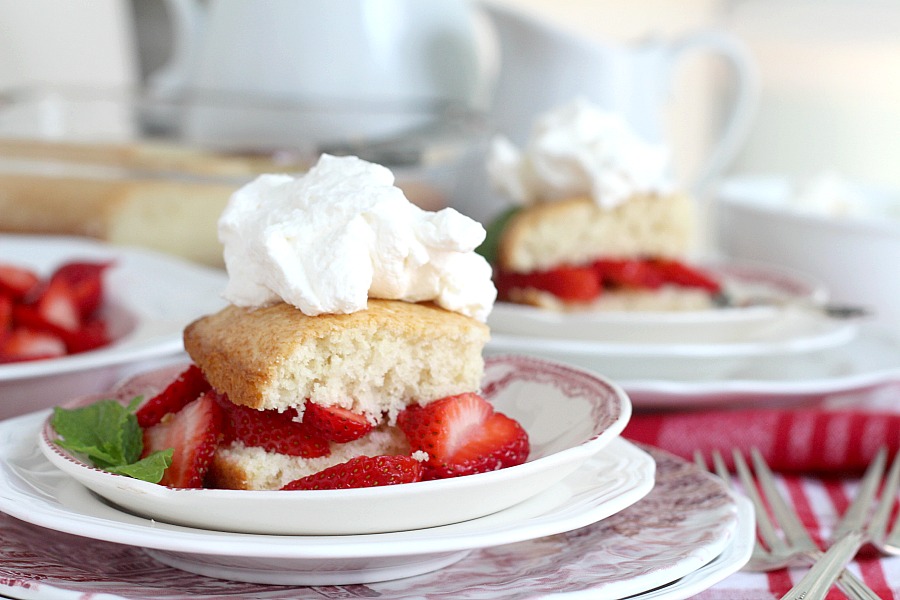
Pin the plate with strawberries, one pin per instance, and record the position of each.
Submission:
(75, 313)
(731, 307)
(568, 415)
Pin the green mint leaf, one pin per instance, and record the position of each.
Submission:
(149, 468)
(107, 432)
(489, 247)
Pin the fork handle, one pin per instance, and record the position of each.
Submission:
(819, 579)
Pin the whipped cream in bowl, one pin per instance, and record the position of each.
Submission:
(579, 149)
(327, 241)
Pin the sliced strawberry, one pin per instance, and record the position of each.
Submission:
(16, 281)
(57, 306)
(463, 435)
(6, 313)
(85, 283)
(194, 432)
(187, 387)
(21, 344)
(335, 423)
(571, 284)
(273, 431)
(678, 273)
(629, 274)
(360, 472)
(92, 334)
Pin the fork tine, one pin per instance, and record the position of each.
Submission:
(878, 524)
(721, 469)
(788, 519)
(855, 516)
(764, 524)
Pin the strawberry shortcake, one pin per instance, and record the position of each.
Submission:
(350, 354)
(597, 224)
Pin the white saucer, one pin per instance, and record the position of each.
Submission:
(870, 359)
(685, 535)
(149, 299)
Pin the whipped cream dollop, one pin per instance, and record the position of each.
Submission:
(575, 150)
(327, 241)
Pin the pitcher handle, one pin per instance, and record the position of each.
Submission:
(170, 80)
(744, 104)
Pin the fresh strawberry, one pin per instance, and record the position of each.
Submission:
(335, 423)
(194, 432)
(16, 281)
(571, 284)
(92, 334)
(85, 283)
(673, 271)
(463, 435)
(6, 313)
(187, 387)
(628, 274)
(273, 431)
(21, 344)
(362, 471)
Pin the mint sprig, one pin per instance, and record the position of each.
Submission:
(494, 231)
(108, 433)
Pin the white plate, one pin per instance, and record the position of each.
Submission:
(870, 359)
(569, 415)
(39, 493)
(688, 528)
(786, 324)
(150, 298)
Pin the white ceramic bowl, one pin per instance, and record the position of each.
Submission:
(569, 415)
(150, 298)
(855, 257)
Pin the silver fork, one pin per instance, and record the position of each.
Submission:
(772, 551)
(852, 531)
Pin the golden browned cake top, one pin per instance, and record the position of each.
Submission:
(275, 356)
(577, 230)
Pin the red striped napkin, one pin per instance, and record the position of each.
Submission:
(804, 440)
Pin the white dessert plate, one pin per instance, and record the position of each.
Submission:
(869, 360)
(150, 298)
(687, 532)
(569, 415)
(780, 314)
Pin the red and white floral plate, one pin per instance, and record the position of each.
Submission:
(569, 415)
(687, 534)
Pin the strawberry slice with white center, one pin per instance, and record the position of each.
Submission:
(273, 431)
(21, 344)
(194, 433)
(17, 281)
(185, 388)
(362, 471)
(335, 423)
(463, 435)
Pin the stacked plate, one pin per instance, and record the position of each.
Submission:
(589, 512)
(775, 340)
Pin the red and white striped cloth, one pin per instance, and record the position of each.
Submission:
(819, 452)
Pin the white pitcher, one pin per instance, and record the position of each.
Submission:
(544, 67)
